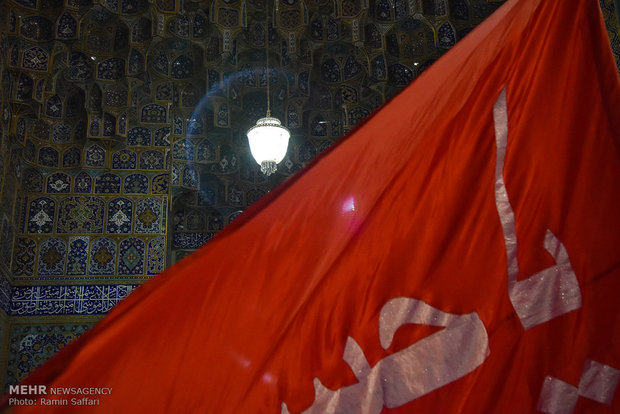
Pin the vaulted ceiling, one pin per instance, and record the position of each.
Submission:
(105, 101)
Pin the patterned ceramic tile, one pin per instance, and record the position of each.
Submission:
(95, 156)
(119, 215)
(102, 257)
(31, 345)
(131, 257)
(162, 137)
(58, 183)
(139, 136)
(183, 150)
(205, 151)
(156, 256)
(108, 183)
(41, 215)
(49, 157)
(23, 257)
(154, 114)
(52, 257)
(80, 214)
(32, 181)
(71, 157)
(160, 184)
(136, 184)
(149, 216)
(124, 160)
(190, 177)
(77, 259)
(66, 28)
(152, 160)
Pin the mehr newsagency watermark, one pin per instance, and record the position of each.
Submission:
(60, 396)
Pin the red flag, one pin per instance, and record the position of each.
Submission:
(457, 253)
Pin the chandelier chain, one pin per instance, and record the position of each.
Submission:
(267, 49)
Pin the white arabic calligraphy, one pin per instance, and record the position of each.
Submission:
(551, 292)
(598, 383)
(403, 376)
(462, 346)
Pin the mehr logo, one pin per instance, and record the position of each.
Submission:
(27, 389)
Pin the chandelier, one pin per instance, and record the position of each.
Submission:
(268, 139)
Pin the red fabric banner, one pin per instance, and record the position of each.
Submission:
(458, 253)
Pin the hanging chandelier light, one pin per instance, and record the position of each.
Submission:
(268, 138)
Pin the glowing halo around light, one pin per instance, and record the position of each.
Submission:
(230, 79)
